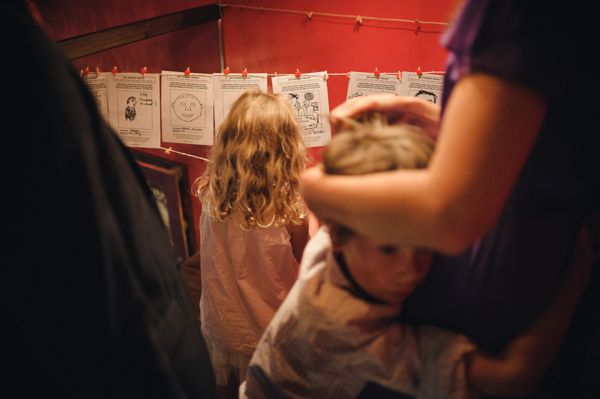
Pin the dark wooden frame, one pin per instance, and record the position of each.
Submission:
(102, 40)
(170, 178)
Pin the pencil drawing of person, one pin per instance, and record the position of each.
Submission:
(130, 110)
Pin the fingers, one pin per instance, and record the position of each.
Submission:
(355, 106)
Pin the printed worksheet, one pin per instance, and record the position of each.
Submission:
(187, 108)
(309, 98)
(365, 83)
(227, 89)
(133, 108)
(98, 84)
(427, 86)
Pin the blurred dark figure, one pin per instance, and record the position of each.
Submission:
(95, 304)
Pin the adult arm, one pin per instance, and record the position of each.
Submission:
(519, 368)
(486, 135)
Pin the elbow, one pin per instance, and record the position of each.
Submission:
(513, 380)
(456, 231)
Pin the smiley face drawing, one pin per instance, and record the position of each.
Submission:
(187, 107)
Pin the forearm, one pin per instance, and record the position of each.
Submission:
(370, 204)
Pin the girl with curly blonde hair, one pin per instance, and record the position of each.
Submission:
(253, 226)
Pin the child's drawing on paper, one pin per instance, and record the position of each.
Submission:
(187, 107)
(306, 109)
(428, 96)
(130, 112)
(357, 94)
(135, 109)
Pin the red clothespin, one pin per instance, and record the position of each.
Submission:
(86, 71)
(187, 71)
(359, 20)
(399, 75)
(226, 71)
(309, 15)
(114, 70)
(98, 70)
(325, 77)
(144, 70)
(245, 73)
(419, 72)
(376, 73)
(168, 150)
(297, 74)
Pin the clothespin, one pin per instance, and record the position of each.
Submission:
(245, 73)
(359, 20)
(419, 72)
(226, 71)
(144, 70)
(325, 77)
(297, 74)
(309, 15)
(86, 71)
(376, 73)
(98, 70)
(187, 71)
(168, 150)
(399, 75)
(114, 70)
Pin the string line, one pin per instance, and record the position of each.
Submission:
(168, 150)
(358, 18)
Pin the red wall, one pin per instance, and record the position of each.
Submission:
(262, 41)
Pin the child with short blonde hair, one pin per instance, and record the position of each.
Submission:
(337, 334)
(253, 227)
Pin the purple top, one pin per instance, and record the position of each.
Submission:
(496, 287)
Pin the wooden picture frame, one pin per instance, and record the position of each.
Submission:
(167, 179)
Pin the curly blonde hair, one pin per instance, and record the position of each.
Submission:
(255, 165)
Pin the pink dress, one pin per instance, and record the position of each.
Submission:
(246, 275)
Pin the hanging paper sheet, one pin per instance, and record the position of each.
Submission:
(187, 108)
(227, 89)
(363, 84)
(98, 85)
(427, 86)
(133, 108)
(310, 101)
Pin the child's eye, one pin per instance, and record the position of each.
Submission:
(387, 249)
